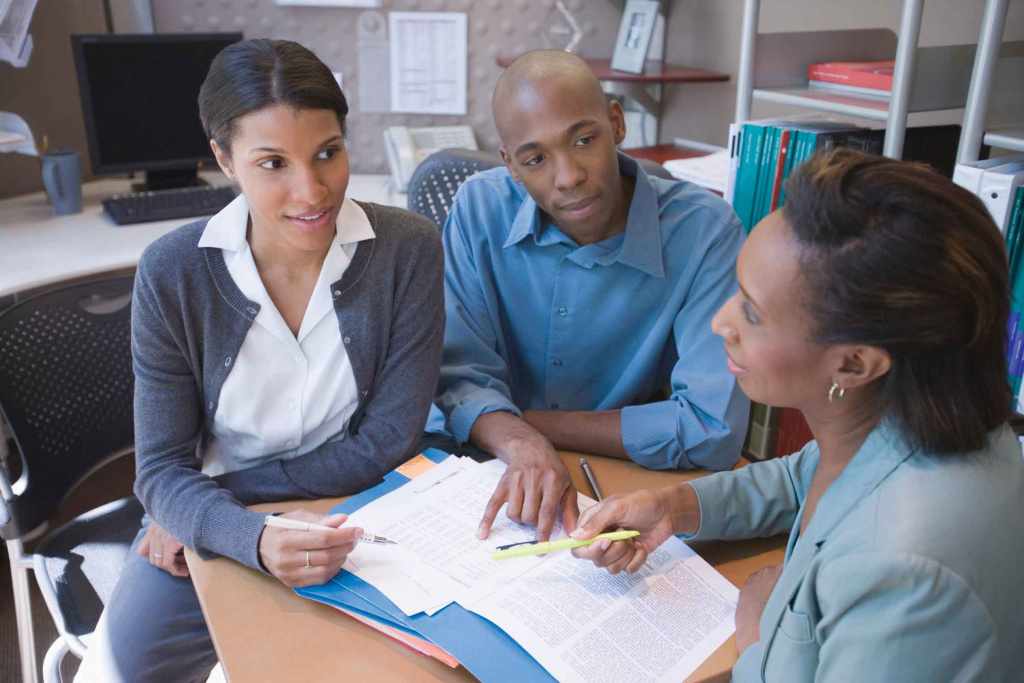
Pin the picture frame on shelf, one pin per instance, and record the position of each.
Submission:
(635, 31)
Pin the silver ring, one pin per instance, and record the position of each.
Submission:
(158, 555)
(307, 559)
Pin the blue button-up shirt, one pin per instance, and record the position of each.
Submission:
(536, 321)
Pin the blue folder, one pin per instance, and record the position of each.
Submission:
(480, 646)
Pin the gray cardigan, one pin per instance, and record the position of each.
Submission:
(189, 320)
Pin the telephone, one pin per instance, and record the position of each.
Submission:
(407, 147)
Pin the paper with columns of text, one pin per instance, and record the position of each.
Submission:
(434, 520)
(584, 625)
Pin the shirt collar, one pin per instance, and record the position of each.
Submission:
(227, 229)
(641, 245)
(882, 452)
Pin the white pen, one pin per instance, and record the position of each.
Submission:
(288, 523)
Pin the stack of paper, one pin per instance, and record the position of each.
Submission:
(531, 618)
(710, 171)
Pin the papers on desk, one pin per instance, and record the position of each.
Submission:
(438, 558)
(15, 135)
(578, 622)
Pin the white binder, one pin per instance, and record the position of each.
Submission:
(995, 182)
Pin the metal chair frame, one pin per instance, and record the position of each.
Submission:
(14, 529)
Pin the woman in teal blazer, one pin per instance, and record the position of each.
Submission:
(876, 303)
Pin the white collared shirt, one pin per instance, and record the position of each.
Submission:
(286, 394)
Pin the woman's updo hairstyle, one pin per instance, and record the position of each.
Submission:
(898, 257)
(254, 74)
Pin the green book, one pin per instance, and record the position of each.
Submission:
(1013, 240)
(795, 136)
(766, 175)
(1014, 232)
(746, 175)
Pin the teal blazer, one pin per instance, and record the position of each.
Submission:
(912, 568)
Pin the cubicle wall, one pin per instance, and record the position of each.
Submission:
(496, 28)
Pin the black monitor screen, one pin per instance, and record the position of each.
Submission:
(139, 98)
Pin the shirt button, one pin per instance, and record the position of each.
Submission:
(364, 392)
(337, 293)
(227, 362)
(557, 362)
(291, 405)
(554, 406)
(211, 405)
(298, 359)
(563, 311)
(347, 340)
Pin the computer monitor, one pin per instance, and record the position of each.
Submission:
(139, 97)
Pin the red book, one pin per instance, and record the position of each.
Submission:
(873, 75)
(780, 167)
(793, 432)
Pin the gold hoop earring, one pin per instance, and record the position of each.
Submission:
(833, 396)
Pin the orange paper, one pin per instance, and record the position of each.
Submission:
(416, 466)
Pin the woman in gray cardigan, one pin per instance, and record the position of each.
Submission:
(287, 347)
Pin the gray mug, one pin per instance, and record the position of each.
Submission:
(62, 176)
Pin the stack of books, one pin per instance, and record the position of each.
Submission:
(999, 183)
(1015, 325)
(862, 79)
(765, 153)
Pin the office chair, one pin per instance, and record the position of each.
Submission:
(434, 182)
(66, 386)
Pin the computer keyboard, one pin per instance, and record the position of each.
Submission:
(162, 205)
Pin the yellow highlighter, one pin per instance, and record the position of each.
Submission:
(507, 552)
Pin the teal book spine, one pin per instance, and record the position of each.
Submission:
(808, 140)
(1013, 240)
(1016, 339)
(791, 162)
(746, 176)
(765, 174)
(764, 170)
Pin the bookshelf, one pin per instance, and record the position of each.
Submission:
(644, 88)
(986, 88)
(773, 69)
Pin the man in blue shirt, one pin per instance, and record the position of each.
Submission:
(577, 288)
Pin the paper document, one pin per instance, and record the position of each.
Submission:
(428, 62)
(434, 520)
(577, 621)
(710, 171)
(583, 624)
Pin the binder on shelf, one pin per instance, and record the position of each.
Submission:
(997, 190)
(995, 182)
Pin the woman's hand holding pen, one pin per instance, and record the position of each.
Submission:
(307, 558)
(655, 513)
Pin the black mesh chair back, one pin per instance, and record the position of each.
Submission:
(434, 182)
(66, 385)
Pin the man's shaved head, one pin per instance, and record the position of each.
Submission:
(558, 137)
(541, 68)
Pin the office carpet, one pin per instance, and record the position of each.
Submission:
(109, 483)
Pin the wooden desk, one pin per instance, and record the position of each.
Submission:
(265, 632)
